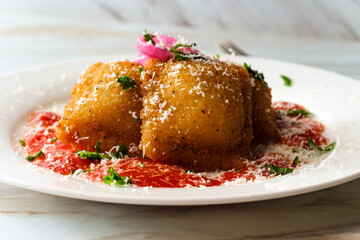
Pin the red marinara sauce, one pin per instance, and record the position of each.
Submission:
(61, 158)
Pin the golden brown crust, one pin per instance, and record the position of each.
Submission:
(199, 115)
(263, 115)
(100, 109)
(193, 114)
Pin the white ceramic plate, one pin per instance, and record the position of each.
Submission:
(335, 99)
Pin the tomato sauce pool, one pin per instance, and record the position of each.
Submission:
(294, 126)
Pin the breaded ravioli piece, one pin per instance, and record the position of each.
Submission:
(101, 110)
(263, 115)
(196, 114)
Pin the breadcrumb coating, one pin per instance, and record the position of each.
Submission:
(196, 114)
(101, 110)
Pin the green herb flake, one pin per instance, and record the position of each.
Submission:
(115, 179)
(189, 171)
(141, 69)
(22, 142)
(287, 80)
(120, 152)
(126, 83)
(97, 146)
(298, 112)
(137, 119)
(217, 56)
(84, 154)
(179, 55)
(326, 149)
(92, 156)
(53, 139)
(279, 170)
(32, 158)
(238, 170)
(50, 130)
(149, 37)
(296, 161)
(254, 73)
(82, 171)
(141, 164)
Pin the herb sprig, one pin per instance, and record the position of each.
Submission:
(149, 37)
(254, 73)
(180, 55)
(328, 148)
(287, 81)
(298, 111)
(38, 154)
(137, 119)
(296, 161)
(115, 179)
(92, 156)
(82, 171)
(126, 83)
(279, 170)
(121, 151)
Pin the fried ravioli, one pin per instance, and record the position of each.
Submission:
(196, 114)
(263, 115)
(101, 110)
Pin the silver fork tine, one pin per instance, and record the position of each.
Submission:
(231, 47)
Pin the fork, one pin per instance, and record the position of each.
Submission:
(230, 47)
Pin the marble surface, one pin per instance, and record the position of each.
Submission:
(323, 34)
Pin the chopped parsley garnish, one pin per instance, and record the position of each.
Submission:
(137, 119)
(326, 149)
(238, 170)
(53, 139)
(278, 114)
(97, 146)
(49, 130)
(287, 80)
(82, 171)
(141, 69)
(254, 73)
(297, 112)
(179, 55)
(121, 151)
(296, 161)
(84, 154)
(32, 158)
(115, 178)
(141, 164)
(217, 56)
(22, 142)
(279, 170)
(149, 37)
(189, 171)
(126, 83)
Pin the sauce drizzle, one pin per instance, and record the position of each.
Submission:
(295, 129)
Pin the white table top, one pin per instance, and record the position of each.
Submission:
(323, 34)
